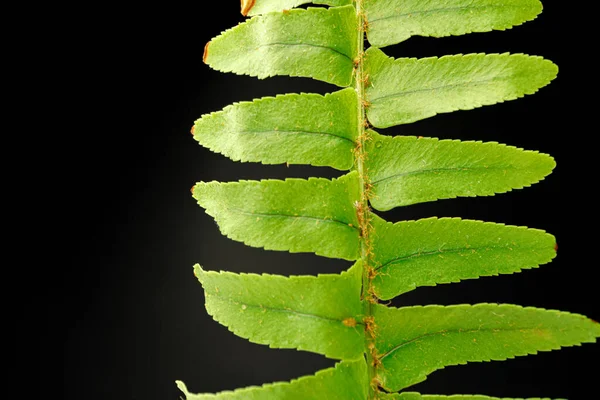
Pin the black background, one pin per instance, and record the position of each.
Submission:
(132, 312)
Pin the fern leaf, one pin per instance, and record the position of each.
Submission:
(319, 314)
(347, 380)
(415, 341)
(405, 90)
(315, 215)
(393, 21)
(319, 43)
(255, 7)
(406, 170)
(383, 349)
(432, 251)
(293, 128)
(418, 396)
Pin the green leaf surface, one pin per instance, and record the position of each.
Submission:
(318, 43)
(315, 215)
(292, 128)
(431, 251)
(418, 396)
(347, 380)
(393, 21)
(415, 341)
(255, 7)
(406, 170)
(321, 314)
(406, 90)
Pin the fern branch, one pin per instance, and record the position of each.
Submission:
(362, 208)
(382, 349)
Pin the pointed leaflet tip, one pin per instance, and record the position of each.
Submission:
(247, 6)
(198, 270)
(181, 386)
(205, 55)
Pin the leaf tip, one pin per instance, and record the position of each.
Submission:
(193, 129)
(192, 189)
(198, 271)
(205, 55)
(246, 6)
(181, 386)
(556, 247)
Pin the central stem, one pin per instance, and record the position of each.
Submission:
(362, 208)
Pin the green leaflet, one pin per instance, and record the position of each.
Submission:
(393, 21)
(319, 314)
(255, 7)
(415, 341)
(293, 128)
(318, 43)
(407, 170)
(418, 396)
(405, 90)
(347, 380)
(431, 251)
(315, 215)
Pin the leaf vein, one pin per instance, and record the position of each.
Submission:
(289, 311)
(450, 86)
(442, 10)
(338, 136)
(423, 171)
(434, 252)
(308, 45)
(281, 215)
(445, 331)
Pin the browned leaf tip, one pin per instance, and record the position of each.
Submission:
(247, 6)
(555, 246)
(192, 189)
(192, 130)
(205, 52)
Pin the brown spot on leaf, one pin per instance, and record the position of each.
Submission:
(349, 322)
(192, 130)
(247, 6)
(192, 189)
(555, 246)
(205, 52)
